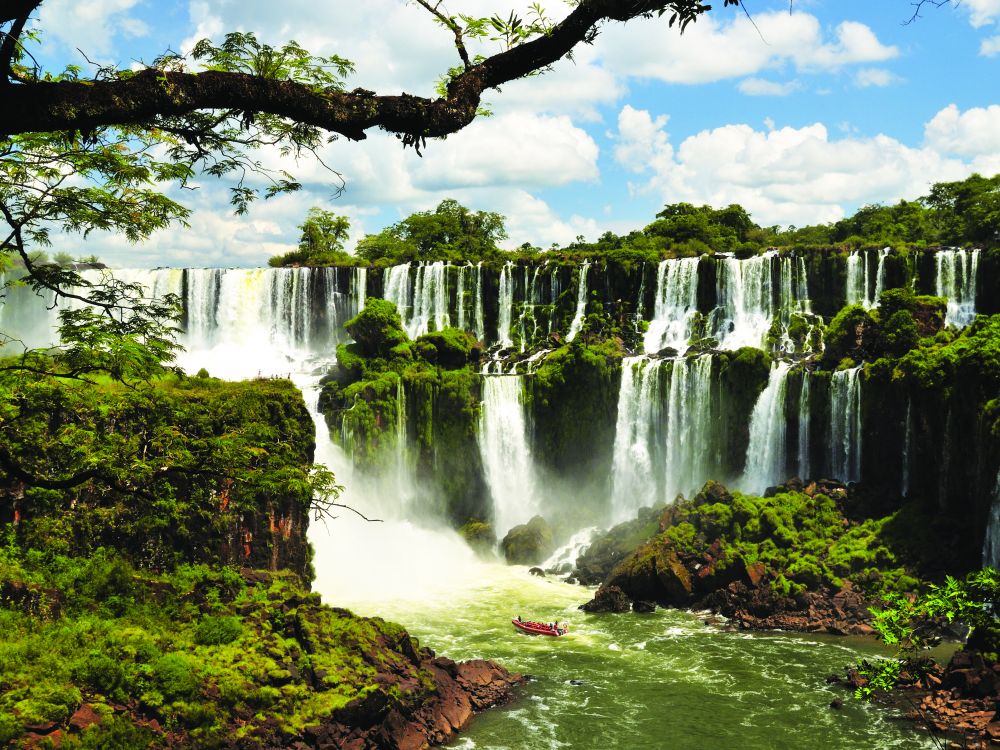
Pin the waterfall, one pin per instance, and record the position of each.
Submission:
(635, 465)
(203, 287)
(805, 423)
(688, 425)
(460, 294)
(506, 454)
(506, 305)
(532, 300)
(675, 306)
(879, 277)
(857, 278)
(480, 320)
(766, 451)
(745, 294)
(991, 542)
(845, 425)
(956, 281)
(581, 302)
(359, 288)
(424, 307)
(396, 288)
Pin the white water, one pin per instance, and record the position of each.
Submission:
(675, 306)
(745, 299)
(569, 552)
(422, 302)
(581, 302)
(506, 454)
(845, 425)
(956, 280)
(766, 451)
(636, 452)
(805, 424)
(506, 305)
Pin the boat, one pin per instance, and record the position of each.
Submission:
(539, 628)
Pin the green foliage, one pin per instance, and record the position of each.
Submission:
(450, 232)
(910, 624)
(217, 631)
(322, 243)
(172, 650)
(377, 329)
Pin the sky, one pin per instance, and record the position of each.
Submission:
(801, 117)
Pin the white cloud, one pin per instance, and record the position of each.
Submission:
(90, 26)
(764, 87)
(713, 50)
(797, 175)
(975, 132)
(990, 47)
(641, 139)
(875, 77)
(982, 12)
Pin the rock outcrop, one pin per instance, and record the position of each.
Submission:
(530, 543)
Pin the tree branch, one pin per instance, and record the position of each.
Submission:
(8, 49)
(137, 100)
(449, 22)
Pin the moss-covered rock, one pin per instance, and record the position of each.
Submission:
(530, 543)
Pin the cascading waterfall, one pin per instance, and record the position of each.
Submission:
(581, 303)
(503, 444)
(463, 271)
(359, 288)
(991, 542)
(506, 305)
(746, 304)
(675, 306)
(203, 288)
(880, 276)
(766, 451)
(422, 304)
(805, 424)
(637, 453)
(860, 290)
(845, 425)
(430, 300)
(688, 426)
(956, 280)
(479, 317)
(396, 288)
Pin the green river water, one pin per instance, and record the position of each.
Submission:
(663, 680)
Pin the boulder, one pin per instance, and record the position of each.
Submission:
(654, 572)
(529, 543)
(536, 571)
(479, 535)
(643, 606)
(608, 599)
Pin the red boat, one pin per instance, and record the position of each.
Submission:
(539, 628)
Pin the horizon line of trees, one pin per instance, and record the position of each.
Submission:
(961, 213)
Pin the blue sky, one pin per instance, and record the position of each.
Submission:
(801, 120)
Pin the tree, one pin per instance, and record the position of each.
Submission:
(322, 241)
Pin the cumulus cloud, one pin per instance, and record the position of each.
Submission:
(90, 26)
(764, 87)
(714, 50)
(975, 132)
(990, 47)
(798, 175)
(982, 12)
(875, 77)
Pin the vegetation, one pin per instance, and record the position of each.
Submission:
(322, 243)
(201, 652)
(912, 625)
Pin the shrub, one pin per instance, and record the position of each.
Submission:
(217, 631)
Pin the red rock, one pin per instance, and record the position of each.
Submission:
(84, 717)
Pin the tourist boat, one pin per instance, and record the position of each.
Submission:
(538, 628)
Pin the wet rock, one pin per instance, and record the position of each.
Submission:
(608, 599)
(529, 543)
(643, 606)
(536, 571)
(84, 717)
